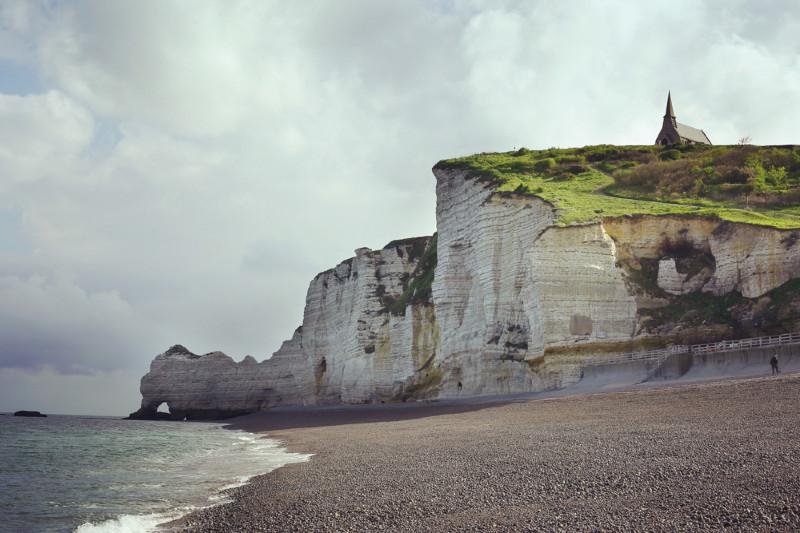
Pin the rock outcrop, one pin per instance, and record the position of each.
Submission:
(751, 260)
(369, 332)
(502, 299)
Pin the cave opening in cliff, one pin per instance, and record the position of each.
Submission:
(162, 408)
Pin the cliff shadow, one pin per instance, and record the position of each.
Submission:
(281, 418)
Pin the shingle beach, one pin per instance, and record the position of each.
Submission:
(707, 456)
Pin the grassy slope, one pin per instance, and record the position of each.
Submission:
(754, 185)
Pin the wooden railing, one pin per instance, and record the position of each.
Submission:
(743, 344)
(697, 349)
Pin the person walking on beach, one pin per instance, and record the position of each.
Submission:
(774, 364)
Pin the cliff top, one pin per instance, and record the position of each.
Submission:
(750, 184)
(178, 350)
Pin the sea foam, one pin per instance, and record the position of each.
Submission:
(129, 523)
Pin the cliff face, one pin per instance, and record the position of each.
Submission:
(488, 311)
(516, 304)
(363, 339)
(751, 260)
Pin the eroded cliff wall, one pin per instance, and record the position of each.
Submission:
(489, 322)
(516, 303)
(364, 338)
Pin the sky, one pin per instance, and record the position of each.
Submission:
(178, 171)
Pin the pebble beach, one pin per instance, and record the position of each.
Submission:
(705, 456)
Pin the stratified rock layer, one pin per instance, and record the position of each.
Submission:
(517, 303)
(350, 348)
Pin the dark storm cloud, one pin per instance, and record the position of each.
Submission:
(61, 326)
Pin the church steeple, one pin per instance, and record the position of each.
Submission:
(670, 113)
(674, 133)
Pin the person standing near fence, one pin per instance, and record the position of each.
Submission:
(774, 364)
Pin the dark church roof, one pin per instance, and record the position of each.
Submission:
(673, 132)
(692, 134)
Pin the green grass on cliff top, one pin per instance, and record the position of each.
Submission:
(749, 184)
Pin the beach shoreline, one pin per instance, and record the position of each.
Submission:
(704, 455)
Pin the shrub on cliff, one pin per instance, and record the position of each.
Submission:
(544, 165)
(418, 287)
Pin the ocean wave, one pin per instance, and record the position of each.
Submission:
(131, 523)
(240, 482)
(254, 455)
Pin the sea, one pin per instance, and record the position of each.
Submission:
(101, 474)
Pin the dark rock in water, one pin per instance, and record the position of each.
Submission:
(146, 413)
(30, 413)
(149, 415)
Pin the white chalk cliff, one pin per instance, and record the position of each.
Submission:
(517, 303)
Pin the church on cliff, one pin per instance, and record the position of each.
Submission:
(673, 132)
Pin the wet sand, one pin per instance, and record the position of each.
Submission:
(703, 456)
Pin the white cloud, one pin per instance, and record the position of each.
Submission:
(195, 72)
(41, 135)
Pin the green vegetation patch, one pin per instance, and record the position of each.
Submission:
(418, 287)
(747, 184)
(776, 312)
(698, 309)
(781, 309)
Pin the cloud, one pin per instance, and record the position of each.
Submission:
(42, 135)
(60, 325)
(183, 174)
(17, 21)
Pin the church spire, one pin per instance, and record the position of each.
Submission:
(670, 113)
(674, 133)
